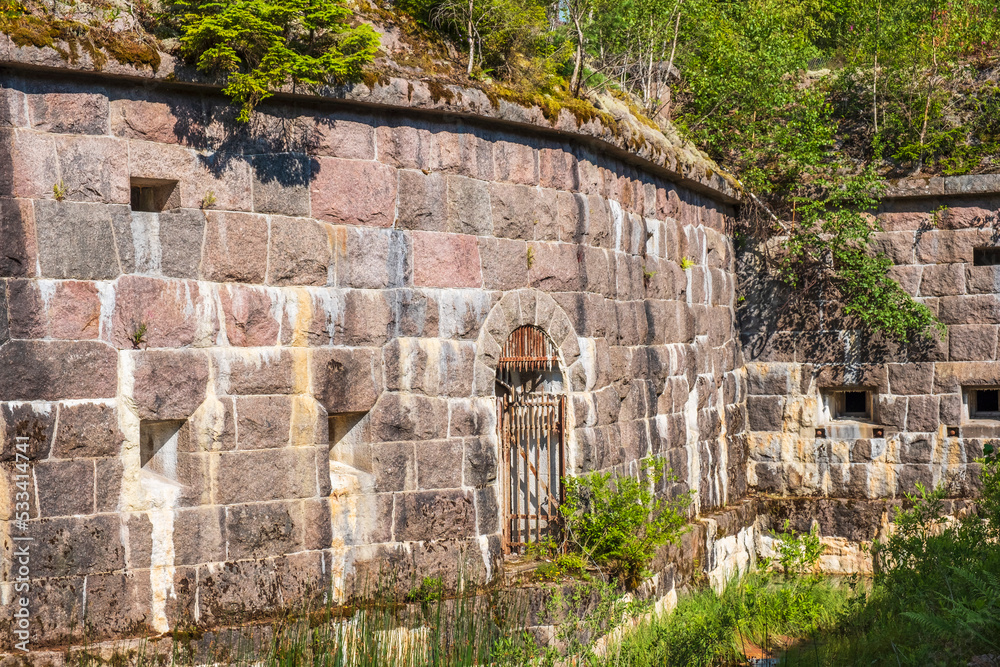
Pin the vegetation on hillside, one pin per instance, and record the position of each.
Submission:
(809, 103)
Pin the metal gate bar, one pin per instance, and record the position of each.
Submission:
(530, 423)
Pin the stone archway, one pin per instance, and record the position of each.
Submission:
(527, 307)
(518, 311)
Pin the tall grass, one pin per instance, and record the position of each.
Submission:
(711, 629)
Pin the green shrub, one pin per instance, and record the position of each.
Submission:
(798, 554)
(260, 46)
(618, 521)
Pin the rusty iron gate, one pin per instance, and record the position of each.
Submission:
(532, 437)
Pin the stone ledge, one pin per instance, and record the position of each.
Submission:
(617, 132)
(938, 186)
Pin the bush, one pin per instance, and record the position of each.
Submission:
(618, 521)
(261, 45)
(935, 597)
(798, 554)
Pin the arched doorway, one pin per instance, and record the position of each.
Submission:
(532, 421)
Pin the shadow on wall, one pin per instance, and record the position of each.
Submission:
(781, 324)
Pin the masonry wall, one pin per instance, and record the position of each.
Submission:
(314, 321)
(800, 349)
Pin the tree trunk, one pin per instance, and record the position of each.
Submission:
(472, 38)
(578, 59)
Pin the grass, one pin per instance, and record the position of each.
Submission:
(759, 610)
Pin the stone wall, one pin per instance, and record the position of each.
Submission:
(283, 380)
(797, 351)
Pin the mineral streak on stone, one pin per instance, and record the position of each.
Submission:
(285, 381)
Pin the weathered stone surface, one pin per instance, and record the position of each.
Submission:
(369, 258)
(972, 342)
(982, 279)
(281, 183)
(87, 430)
(922, 414)
(153, 312)
(34, 421)
(181, 232)
(77, 546)
(347, 380)
(398, 417)
(942, 246)
(17, 237)
(468, 206)
(516, 162)
(351, 137)
(75, 240)
(40, 371)
(942, 280)
(422, 201)
(765, 412)
(159, 121)
(394, 466)
(434, 515)
(263, 421)
(82, 113)
(248, 477)
(505, 263)
(68, 310)
(977, 309)
(94, 168)
(30, 167)
(518, 209)
(439, 464)
(168, 384)
(235, 248)
(480, 460)
(441, 260)
(65, 487)
(219, 180)
(263, 529)
(249, 313)
(301, 252)
(354, 192)
(911, 378)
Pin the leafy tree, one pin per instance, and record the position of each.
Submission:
(260, 46)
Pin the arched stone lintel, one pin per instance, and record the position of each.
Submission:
(515, 309)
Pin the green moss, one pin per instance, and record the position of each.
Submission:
(69, 38)
(440, 91)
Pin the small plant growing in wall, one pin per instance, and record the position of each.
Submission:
(647, 276)
(531, 257)
(59, 191)
(619, 521)
(798, 554)
(137, 335)
(208, 201)
(686, 263)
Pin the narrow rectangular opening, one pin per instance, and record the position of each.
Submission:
(158, 447)
(342, 426)
(984, 403)
(151, 195)
(850, 404)
(987, 256)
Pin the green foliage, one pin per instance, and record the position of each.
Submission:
(618, 521)
(259, 46)
(709, 628)
(935, 597)
(686, 263)
(430, 589)
(830, 245)
(798, 554)
(59, 191)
